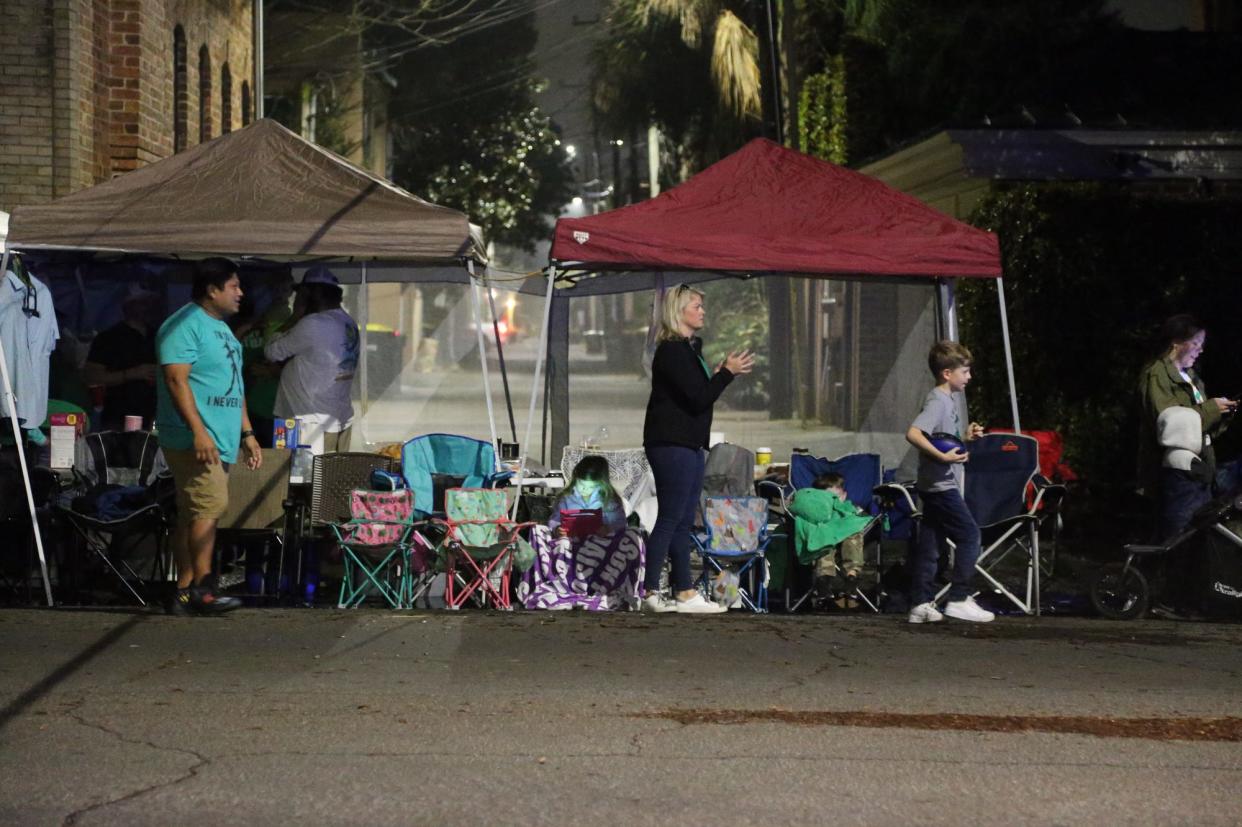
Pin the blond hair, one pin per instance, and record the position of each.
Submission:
(676, 299)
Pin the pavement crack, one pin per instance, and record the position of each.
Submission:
(200, 762)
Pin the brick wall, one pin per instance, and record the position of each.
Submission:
(86, 87)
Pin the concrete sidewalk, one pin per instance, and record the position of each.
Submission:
(369, 717)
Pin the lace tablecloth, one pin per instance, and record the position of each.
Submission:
(631, 477)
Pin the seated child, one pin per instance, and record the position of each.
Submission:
(826, 524)
(589, 487)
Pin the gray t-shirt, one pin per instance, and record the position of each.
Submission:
(939, 415)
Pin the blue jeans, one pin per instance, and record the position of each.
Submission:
(678, 473)
(1181, 495)
(945, 517)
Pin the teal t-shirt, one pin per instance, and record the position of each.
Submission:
(193, 337)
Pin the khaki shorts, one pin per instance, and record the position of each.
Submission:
(202, 489)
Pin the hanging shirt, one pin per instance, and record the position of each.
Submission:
(194, 337)
(29, 339)
(322, 352)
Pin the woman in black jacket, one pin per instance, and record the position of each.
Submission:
(675, 434)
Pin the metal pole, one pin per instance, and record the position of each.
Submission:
(11, 407)
(500, 355)
(364, 310)
(258, 58)
(778, 109)
(1013, 387)
(487, 382)
(544, 333)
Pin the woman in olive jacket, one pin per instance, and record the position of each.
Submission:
(1168, 381)
(675, 435)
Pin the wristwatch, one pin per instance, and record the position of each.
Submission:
(247, 433)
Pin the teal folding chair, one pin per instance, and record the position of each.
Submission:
(377, 545)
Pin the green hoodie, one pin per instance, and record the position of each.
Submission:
(1162, 386)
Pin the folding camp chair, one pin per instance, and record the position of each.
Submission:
(478, 546)
(736, 532)
(333, 480)
(729, 471)
(863, 477)
(434, 463)
(125, 500)
(999, 472)
(376, 546)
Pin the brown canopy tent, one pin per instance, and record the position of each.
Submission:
(262, 192)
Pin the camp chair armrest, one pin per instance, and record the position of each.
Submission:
(771, 489)
(499, 476)
(1045, 489)
(895, 492)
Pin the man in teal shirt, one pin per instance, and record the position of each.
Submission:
(202, 421)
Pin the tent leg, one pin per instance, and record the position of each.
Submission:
(487, 381)
(364, 310)
(11, 407)
(534, 387)
(500, 356)
(1013, 388)
(947, 305)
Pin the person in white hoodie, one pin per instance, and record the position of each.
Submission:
(1185, 479)
(320, 352)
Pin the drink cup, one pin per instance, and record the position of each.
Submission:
(133, 423)
(763, 456)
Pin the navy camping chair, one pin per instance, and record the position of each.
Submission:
(1001, 470)
(434, 463)
(863, 476)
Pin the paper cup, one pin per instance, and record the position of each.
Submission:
(133, 423)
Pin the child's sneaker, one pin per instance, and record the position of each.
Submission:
(925, 613)
(968, 609)
(657, 604)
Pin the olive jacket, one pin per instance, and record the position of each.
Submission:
(1162, 386)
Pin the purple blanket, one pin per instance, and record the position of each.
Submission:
(595, 573)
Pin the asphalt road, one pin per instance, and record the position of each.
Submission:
(372, 717)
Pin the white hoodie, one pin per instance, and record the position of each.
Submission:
(1180, 433)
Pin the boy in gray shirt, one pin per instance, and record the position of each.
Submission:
(941, 488)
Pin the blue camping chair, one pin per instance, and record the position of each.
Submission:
(863, 476)
(434, 463)
(1001, 469)
(736, 532)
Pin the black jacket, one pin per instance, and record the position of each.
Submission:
(680, 409)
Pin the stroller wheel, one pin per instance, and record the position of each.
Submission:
(1119, 592)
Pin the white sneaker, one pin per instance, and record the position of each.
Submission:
(699, 605)
(657, 604)
(968, 609)
(925, 613)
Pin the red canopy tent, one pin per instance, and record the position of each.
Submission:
(770, 209)
(767, 210)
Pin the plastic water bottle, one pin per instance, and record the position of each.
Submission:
(596, 440)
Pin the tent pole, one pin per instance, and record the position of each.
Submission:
(487, 381)
(500, 355)
(534, 385)
(11, 408)
(1013, 387)
(364, 310)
